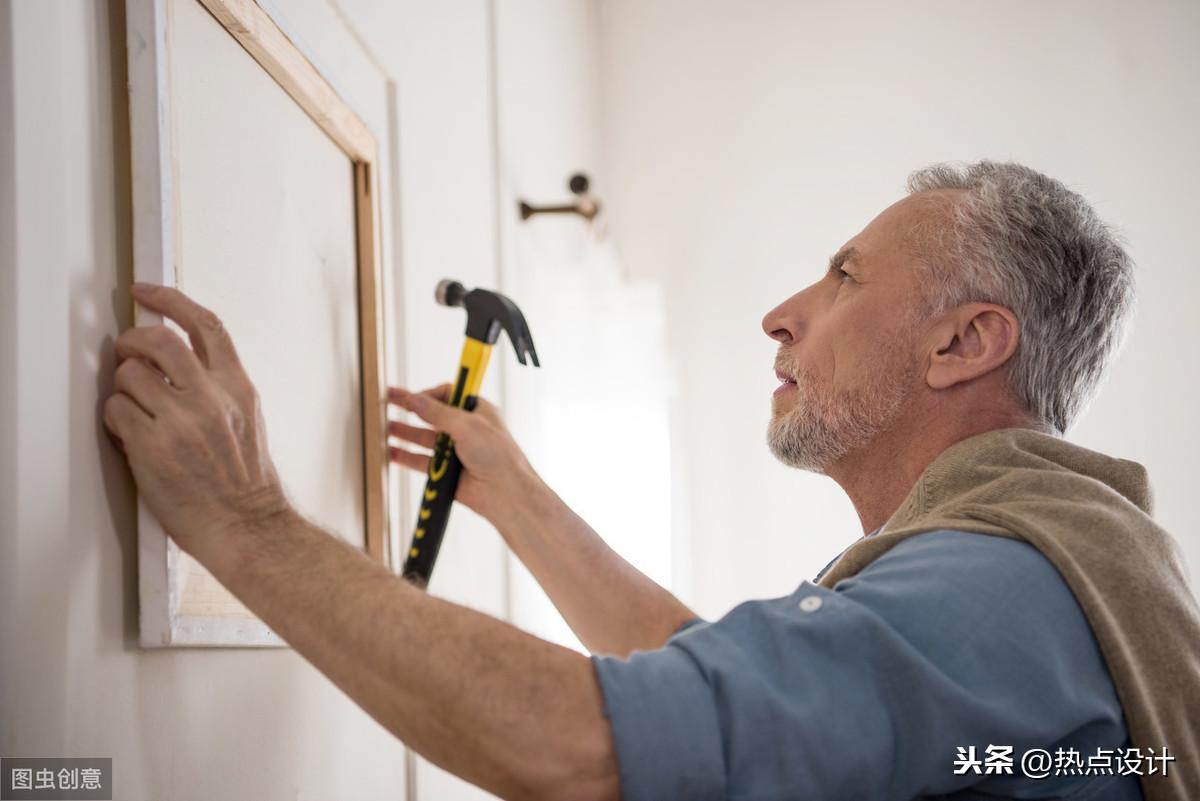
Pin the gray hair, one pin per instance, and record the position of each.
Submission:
(1025, 241)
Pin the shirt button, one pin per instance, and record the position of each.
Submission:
(811, 603)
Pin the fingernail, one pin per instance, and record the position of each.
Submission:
(138, 286)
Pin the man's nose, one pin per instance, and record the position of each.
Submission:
(781, 323)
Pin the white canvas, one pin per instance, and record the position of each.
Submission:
(256, 218)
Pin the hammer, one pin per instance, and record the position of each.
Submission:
(488, 313)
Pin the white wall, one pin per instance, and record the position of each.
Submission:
(747, 141)
(547, 128)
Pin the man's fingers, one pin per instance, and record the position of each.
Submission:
(144, 384)
(210, 340)
(124, 418)
(163, 348)
(418, 436)
(440, 392)
(413, 461)
(439, 415)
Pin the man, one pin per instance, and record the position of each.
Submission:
(981, 308)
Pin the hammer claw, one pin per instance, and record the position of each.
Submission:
(532, 355)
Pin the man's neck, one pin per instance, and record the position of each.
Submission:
(879, 477)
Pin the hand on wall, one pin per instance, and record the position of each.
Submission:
(190, 422)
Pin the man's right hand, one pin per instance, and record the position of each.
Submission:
(610, 605)
(495, 473)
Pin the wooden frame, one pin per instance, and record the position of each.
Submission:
(155, 253)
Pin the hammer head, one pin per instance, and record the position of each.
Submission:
(488, 313)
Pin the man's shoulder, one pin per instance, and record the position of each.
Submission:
(972, 593)
(938, 588)
(960, 598)
(949, 548)
(954, 558)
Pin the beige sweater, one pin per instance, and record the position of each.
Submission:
(1089, 514)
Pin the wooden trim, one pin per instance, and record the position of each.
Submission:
(155, 212)
(284, 62)
(371, 339)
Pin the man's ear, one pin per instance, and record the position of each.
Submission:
(971, 341)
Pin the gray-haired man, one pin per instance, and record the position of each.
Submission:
(997, 605)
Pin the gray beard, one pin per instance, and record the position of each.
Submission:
(820, 430)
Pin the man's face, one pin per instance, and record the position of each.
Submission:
(848, 355)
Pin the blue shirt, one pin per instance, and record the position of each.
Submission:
(868, 690)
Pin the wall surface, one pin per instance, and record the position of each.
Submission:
(599, 407)
(547, 128)
(747, 141)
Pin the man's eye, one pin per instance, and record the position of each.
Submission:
(842, 274)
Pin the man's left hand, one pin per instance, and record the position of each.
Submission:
(190, 422)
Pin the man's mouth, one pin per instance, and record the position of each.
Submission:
(786, 381)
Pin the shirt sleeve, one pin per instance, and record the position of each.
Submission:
(864, 691)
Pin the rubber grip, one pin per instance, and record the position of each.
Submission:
(435, 512)
(445, 470)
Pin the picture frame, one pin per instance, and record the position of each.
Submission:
(166, 619)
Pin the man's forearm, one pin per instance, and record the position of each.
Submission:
(512, 713)
(610, 605)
